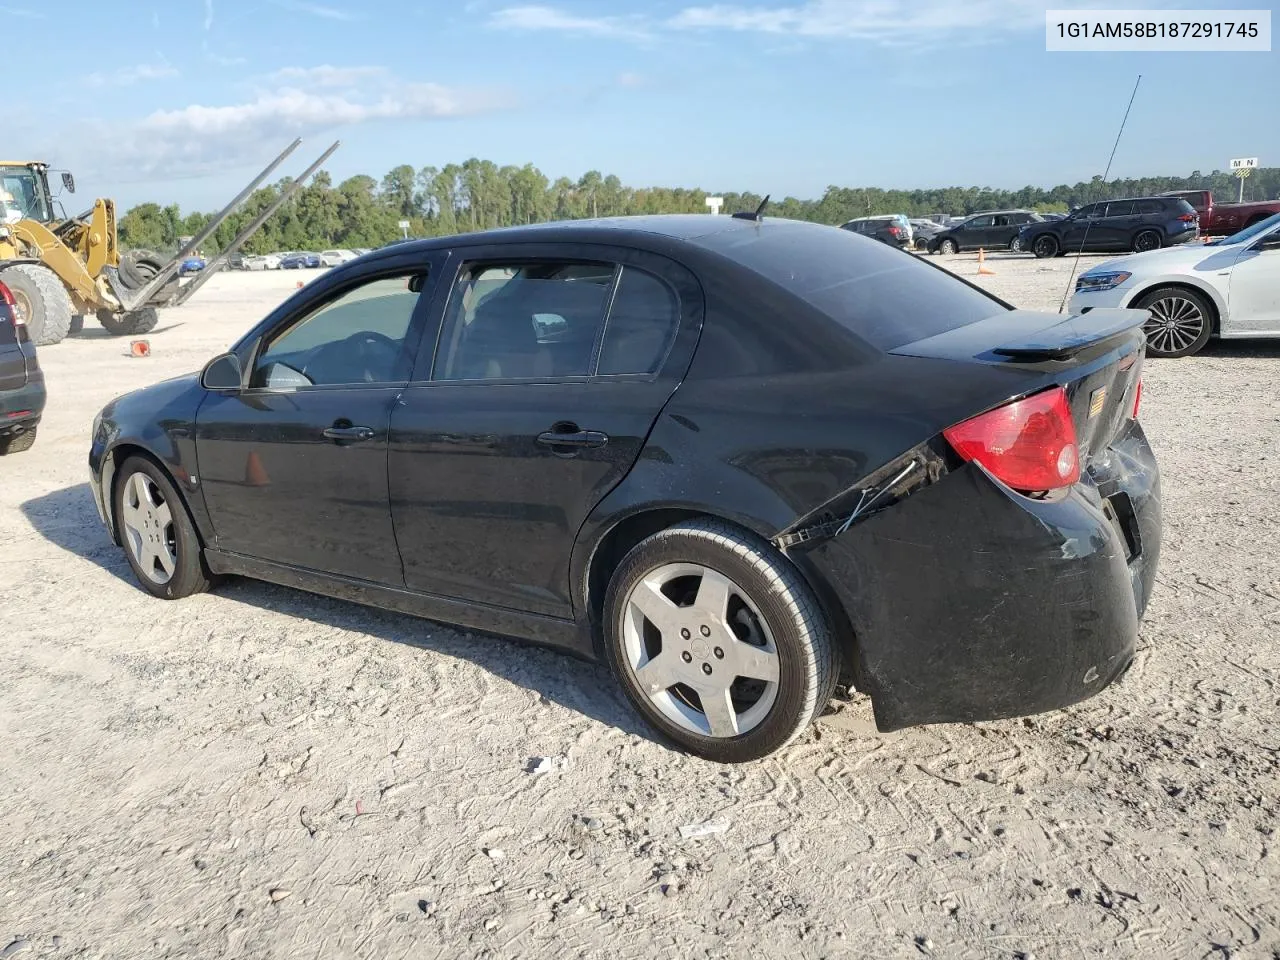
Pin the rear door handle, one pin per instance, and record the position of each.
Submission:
(576, 438)
(349, 434)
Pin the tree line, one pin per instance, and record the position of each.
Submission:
(479, 194)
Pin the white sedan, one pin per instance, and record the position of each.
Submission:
(1229, 288)
(336, 258)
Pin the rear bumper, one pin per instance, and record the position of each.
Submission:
(969, 602)
(20, 409)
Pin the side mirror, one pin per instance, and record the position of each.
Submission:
(222, 373)
(68, 182)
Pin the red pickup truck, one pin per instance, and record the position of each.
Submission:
(1224, 219)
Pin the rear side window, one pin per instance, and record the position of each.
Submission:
(1120, 208)
(886, 296)
(532, 320)
(1150, 206)
(641, 327)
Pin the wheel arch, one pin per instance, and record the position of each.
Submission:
(111, 463)
(617, 540)
(1216, 304)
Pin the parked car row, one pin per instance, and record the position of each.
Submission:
(296, 260)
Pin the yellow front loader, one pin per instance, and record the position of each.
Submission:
(61, 270)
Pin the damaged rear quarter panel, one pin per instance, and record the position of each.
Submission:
(970, 602)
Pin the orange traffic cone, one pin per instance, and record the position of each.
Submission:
(140, 348)
(983, 269)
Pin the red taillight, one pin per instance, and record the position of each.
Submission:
(6, 297)
(1137, 400)
(1029, 444)
(1188, 217)
(896, 231)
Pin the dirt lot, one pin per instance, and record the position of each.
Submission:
(262, 773)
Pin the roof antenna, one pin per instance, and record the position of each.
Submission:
(759, 213)
(1075, 264)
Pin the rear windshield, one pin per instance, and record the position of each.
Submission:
(886, 296)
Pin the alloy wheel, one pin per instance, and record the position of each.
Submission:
(148, 529)
(1175, 324)
(699, 649)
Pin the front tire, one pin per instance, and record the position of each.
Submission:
(1180, 321)
(42, 300)
(159, 538)
(718, 642)
(948, 247)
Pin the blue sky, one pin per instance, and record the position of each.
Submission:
(777, 96)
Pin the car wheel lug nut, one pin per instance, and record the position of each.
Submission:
(706, 631)
(686, 657)
(719, 654)
(685, 634)
(706, 668)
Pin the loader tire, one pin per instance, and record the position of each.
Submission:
(42, 300)
(129, 324)
(137, 267)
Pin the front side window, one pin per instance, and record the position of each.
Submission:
(355, 339)
(1120, 208)
(524, 320)
(977, 223)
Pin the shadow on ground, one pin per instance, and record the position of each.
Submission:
(68, 519)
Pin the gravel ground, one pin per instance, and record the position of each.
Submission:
(262, 773)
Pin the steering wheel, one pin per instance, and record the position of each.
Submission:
(365, 356)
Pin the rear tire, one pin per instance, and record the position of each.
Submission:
(42, 300)
(130, 324)
(1045, 246)
(1180, 323)
(16, 443)
(1147, 240)
(159, 538)
(757, 643)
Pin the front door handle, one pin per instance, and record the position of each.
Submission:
(349, 434)
(569, 439)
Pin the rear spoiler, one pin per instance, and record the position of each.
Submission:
(1028, 335)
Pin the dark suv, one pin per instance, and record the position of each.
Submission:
(992, 231)
(1139, 224)
(21, 382)
(893, 229)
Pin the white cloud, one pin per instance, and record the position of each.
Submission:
(200, 139)
(631, 80)
(550, 19)
(317, 10)
(127, 76)
(22, 13)
(329, 76)
(208, 15)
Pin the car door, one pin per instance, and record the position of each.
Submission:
(294, 465)
(551, 364)
(1080, 225)
(1116, 230)
(1253, 293)
(974, 232)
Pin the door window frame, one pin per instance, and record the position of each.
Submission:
(682, 282)
(329, 289)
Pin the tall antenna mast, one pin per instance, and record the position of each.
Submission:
(1075, 264)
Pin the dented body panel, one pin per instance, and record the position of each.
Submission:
(972, 602)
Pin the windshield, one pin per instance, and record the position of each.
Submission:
(1248, 233)
(23, 196)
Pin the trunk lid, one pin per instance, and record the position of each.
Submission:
(1096, 357)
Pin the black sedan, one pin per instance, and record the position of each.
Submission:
(741, 461)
